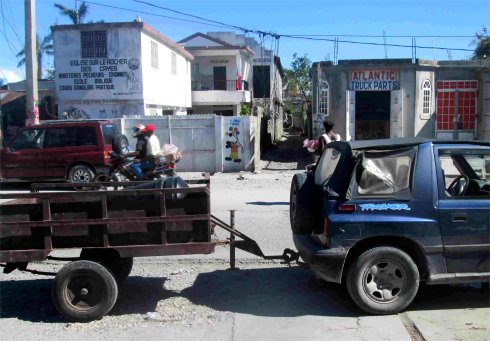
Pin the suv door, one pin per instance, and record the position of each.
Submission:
(21, 159)
(64, 146)
(464, 207)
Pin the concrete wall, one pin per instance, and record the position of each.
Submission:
(209, 143)
(484, 120)
(124, 83)
(163, 89)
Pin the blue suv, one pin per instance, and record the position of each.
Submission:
(383, 216)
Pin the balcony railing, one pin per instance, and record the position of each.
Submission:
(225, 85)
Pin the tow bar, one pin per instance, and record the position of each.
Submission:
(249, 245)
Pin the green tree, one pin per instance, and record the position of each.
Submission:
(76, 15)
(298, 82)
(482, 49)
(43, 47)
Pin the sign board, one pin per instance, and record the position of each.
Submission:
(374, 80)
(101, 77)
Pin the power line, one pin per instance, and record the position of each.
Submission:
(246, 30)
(154, 14)
(380, 36)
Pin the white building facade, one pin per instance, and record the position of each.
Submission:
(221, 75)
(115, 70)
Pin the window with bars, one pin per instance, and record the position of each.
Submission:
(174, 64)
(94, 44)
(324, 98)
(427, 90)
(154, 55)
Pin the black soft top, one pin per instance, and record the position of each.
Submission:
(406, 142)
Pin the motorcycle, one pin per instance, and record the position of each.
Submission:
(120, 166)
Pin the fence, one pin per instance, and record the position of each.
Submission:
(209, 143)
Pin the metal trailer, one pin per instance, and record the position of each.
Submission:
(110, 227)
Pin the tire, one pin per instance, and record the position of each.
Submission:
(383, 280)
(84, 291)
(119, 267)
(120, 143)
(304, 204)
(81, 174)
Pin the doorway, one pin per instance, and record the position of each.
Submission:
(219, 77)
(372, 115)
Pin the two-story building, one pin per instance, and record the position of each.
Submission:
(221, 75)
(112, 70)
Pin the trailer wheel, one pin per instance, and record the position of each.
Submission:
(120, 268)
(83, 291)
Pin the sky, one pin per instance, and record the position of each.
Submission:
(346, 20)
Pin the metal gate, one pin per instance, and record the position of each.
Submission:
(456, 109)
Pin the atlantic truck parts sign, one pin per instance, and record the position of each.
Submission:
(374, 80)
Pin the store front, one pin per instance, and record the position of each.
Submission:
(392, 98)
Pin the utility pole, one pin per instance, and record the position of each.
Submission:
(32, 110)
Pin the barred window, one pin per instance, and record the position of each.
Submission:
(427, 90)
(324, 98)
(94, 44)
(174, 64)
(154, 55)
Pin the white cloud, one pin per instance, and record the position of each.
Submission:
(11, 75)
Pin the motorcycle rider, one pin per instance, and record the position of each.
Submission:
(147, 149)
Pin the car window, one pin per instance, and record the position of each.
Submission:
(383, 174)
(109, 131)
(28, 139)
(81, 136)
(54, 137)
(465, 174)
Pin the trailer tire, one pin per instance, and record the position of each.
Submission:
(84, 291)
(304, 204)
(120, 267)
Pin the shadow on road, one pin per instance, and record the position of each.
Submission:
(272, 292)
(288, 154)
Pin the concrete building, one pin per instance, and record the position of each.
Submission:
(111, 70)
(221, 75)
(390, 98)
(267, 82)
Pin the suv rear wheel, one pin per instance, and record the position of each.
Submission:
(81, 174)
(383, 280)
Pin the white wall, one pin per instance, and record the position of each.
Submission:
(162, 88)
(202, 140)
(93, 85)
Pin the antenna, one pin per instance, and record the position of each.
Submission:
(449, 55)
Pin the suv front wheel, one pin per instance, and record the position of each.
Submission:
(383, 280)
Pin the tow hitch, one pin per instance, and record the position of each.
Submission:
(249, 245)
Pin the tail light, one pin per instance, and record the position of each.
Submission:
(347, 208)
(326, 232)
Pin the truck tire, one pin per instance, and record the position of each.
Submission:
(383, 280)
(304, 204)
(120, 143)
(84, 291)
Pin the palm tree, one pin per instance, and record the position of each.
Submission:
(482, 50)
(76, 15)
(44, 47)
